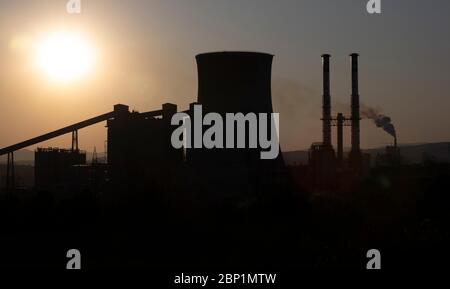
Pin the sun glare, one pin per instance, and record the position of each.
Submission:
(64, 56)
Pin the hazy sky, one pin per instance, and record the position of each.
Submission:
(146, 55)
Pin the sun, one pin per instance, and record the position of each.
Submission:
(64, 56)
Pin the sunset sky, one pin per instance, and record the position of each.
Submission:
(144, 55)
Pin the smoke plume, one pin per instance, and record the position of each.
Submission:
(379, 119)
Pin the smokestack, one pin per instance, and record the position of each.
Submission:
(326, 108)
(355, 153)
(340, 138)
(355, 118)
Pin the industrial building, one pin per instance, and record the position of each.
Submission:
(140, 156)
(141, 159)
(56, 168)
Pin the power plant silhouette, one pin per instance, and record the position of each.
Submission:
(140, 156)
(151, 205)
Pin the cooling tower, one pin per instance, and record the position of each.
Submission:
(235, 82)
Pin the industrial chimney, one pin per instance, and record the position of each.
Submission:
(355, 153)
(326, 107)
